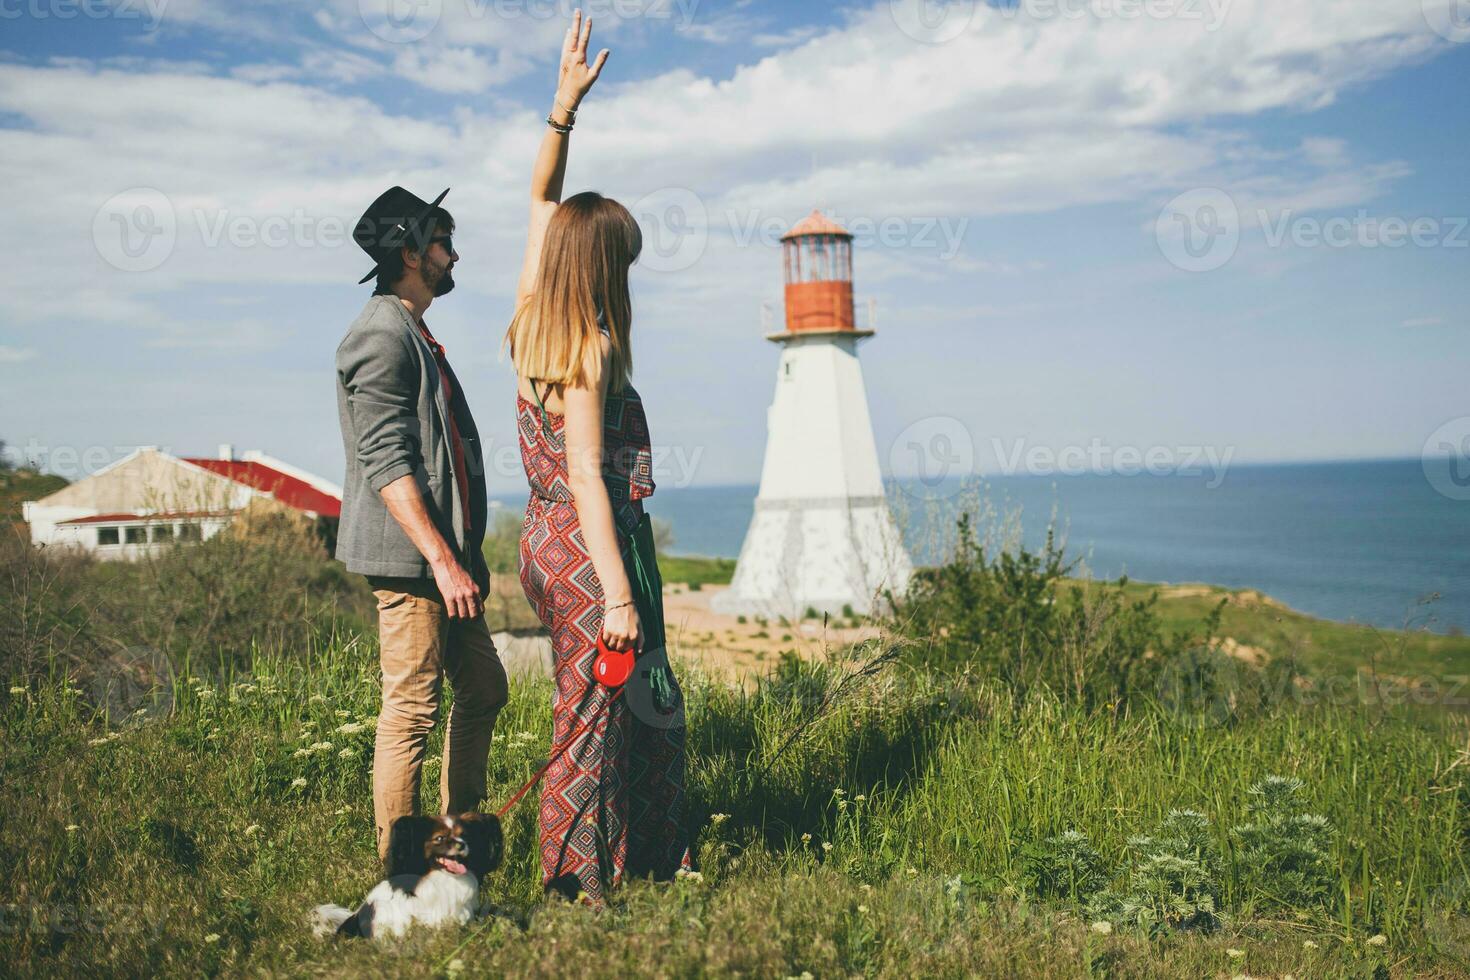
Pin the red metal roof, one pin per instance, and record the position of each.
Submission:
(816, 223)
(287, 489)
(125, 518)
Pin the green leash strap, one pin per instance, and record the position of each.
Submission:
(648, 598)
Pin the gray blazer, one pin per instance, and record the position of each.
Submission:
(395, 423)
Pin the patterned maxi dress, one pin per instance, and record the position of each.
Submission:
(612, 805)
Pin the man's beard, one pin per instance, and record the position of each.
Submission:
(439, 280)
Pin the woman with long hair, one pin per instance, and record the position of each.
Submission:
(612, 803)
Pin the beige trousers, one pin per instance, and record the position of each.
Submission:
(420, 647)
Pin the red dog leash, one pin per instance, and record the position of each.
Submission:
(612, 670)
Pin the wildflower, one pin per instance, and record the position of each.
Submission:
(299, 782)
(716, 819)
(72, 828)
(839, 791)
(342, 713)
(346, 753)
(1378, 940)
(206, 693)
(806, 838)
(213, 937)
(17, 690)
(866, 887)
(455, 967)
(862, 910)
(351, 728)
(316, 699)
(301, 752)
(1102, 927)
(113, 736)
(1235, 954)
(252, 830)
(861, 798)
(140, 711)
(343, 810)
(322, 747)
(826, 845)
(913, 872)
(1308, 944)
(691, 876)
(94, 742)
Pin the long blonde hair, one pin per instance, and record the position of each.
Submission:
(590, 242)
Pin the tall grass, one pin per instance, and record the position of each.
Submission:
(191, 834)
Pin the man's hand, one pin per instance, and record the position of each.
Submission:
(461, 594)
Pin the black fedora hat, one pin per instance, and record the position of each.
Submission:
(397, 218)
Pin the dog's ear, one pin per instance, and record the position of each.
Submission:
(408, 838)
(486, 842)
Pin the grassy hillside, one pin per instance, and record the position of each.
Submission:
(913, 831)
(20, 485)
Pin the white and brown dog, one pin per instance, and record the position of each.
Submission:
(435, 867)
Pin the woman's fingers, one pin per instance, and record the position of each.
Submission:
(597, 67)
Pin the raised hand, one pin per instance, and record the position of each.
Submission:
(577, 76)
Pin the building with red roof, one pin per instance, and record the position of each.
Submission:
(151, 499)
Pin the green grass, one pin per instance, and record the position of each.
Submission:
(886, 841)
(1319, 644)
(696, 570)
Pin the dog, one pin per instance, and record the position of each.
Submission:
(435, 868)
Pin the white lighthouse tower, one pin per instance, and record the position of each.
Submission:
(822, 536)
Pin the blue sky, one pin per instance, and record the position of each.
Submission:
(1103, 223)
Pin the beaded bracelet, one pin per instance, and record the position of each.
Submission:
(558, 126)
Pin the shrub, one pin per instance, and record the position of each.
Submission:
(1065, 866)
(1174, 881)
(1014, 617)
(1283, 853)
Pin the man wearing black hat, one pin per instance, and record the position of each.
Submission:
(413, 513)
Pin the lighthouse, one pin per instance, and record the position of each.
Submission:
(822, 536)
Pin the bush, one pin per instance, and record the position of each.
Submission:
(1065, 866)
(1284, 853)
(1014, 617)
(1174, 882)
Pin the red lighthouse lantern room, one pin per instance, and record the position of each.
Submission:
(817, 253)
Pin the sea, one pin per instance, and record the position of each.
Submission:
(1385, 543)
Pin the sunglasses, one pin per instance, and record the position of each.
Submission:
(447, 240)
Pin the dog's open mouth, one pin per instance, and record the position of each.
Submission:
(451, 865)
